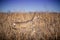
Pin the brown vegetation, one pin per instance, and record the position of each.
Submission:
(30, 26)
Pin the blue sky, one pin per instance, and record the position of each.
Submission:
(30, 5)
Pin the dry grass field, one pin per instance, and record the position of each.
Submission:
(30, 26)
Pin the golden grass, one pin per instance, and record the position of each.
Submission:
(30, 26)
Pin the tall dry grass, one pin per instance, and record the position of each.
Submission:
(34, 26)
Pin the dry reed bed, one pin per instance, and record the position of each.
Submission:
(30, 26)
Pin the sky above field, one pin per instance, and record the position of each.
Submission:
(29, 5)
